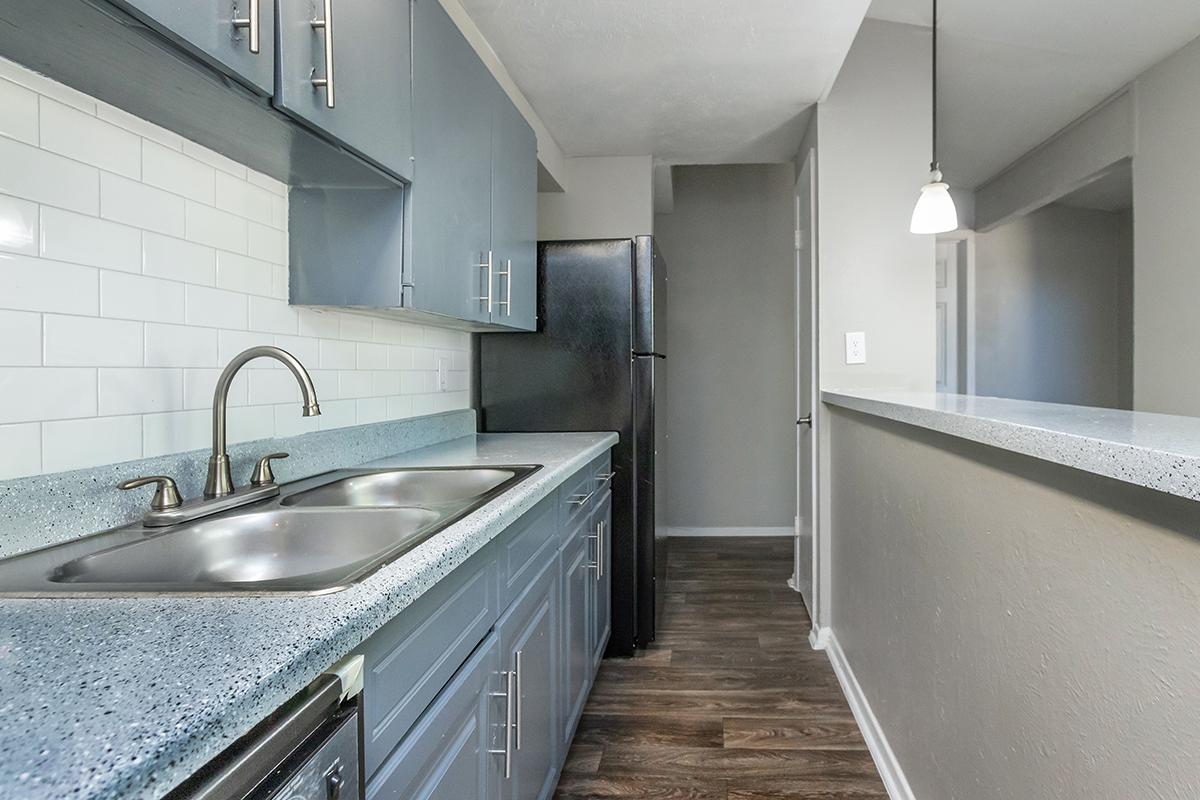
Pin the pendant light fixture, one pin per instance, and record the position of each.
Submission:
(935, 212)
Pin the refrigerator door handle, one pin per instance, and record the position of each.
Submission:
(649, 355)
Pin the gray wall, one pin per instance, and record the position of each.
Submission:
(730, 324)
(1053, 308)
(604, 198)
(1166, 196)
(1019, 629)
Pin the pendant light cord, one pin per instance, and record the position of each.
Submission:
(933, 165)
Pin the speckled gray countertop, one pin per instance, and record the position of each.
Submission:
(124, 698)
(1156, 451)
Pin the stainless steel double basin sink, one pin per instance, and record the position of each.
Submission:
(320, 535)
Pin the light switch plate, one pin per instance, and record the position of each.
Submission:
(856, 348)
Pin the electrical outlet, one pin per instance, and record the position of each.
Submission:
(856, 348)
(443, 376)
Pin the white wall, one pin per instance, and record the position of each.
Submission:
(1166, 196)
(133, 266)
(875, 276)
(1019, 629)
(1053, 308)
(605, 198)
(731, 365)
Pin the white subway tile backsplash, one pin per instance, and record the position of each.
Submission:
(45, 177)
(372, 356)
(243, 274)
(32, 394)
(67, 236)
(180, 346)
(91, 342)
(20, 450)
(138, 297)
(215, 308)
(215, 228)
(178, 260)
(84, 137)
(139, 391)
(38, 284)
(336, 354)
(243, 199)
(79, 443)
(272, 316)
(355, 328)
(18, 225)
(267, 244)
(175, 432)
(142, 206)
(134, 265)
(169, 169)
(18, 112)
(20, 339)
(371, 409)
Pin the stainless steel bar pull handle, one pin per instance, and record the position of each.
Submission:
(600, 530)
(520, 655)
(327, 25)
(486, 264)
(580, 499)
(252, 22)
(506, 273)
(509, 720)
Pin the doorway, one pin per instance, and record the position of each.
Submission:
(804, 576)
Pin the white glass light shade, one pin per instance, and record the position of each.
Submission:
(935, 211)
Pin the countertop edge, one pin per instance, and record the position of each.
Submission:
(1156, 468)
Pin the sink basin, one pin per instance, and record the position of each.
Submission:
(404, 487)
(258, 550)
(322, 534)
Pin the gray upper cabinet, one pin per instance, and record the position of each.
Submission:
(451, 197)
(514, 216)
(237, 38)
(344, 68)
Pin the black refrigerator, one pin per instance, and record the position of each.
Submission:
(596, 363)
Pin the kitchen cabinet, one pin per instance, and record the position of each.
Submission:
(448, 753)
(529, 645)
(601, 585)
(514, 216)
(577, 620)
(237, 38)
(344, 69)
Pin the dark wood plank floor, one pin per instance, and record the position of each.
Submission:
(730, 703)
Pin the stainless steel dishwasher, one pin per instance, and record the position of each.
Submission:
(308, 749)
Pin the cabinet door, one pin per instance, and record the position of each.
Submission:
(449, 755)
(528, 636)
(602, 579)
(514, 215)
(206, 28)
(350, 76)
(451, 195)
(576, 617)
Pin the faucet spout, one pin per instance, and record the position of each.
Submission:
(220, 477)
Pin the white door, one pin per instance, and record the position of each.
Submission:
(947, 316)
(806, 381)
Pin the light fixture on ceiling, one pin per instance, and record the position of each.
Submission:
(935, 212)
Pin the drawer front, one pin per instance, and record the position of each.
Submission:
(412, 657)
(446, 755)
(525, 548)
(578, 495)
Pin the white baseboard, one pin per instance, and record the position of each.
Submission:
(739, 532)
(885, 760)
(818, 638)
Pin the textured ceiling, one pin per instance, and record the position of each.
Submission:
(687, 81)
(1014, 72)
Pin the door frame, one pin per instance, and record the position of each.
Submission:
(807, 323)
(965, 241)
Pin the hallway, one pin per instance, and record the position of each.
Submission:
(730, 703)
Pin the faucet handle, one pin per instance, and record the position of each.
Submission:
(263, 476)
(166, 495)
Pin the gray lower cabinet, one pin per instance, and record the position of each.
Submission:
(448, 755)
(474, 692)
(237, 37)
(601, 586)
